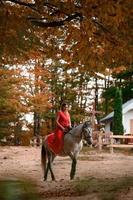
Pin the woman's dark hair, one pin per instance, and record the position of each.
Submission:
(63, 105)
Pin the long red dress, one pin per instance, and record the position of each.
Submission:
(55, 140)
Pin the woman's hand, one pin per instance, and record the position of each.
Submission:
(63, 129)
(67, 129)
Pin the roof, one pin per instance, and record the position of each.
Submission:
(125, 108)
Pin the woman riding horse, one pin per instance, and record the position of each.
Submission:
(72, 145)
(63, 123)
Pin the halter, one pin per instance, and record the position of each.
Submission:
(85, 126)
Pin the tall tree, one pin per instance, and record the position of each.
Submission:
(124, 79)
(119, 77)
(117, 119)
(12, 107)
(38, 96)
(67, 84)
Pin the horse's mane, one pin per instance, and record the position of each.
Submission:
(76, 128)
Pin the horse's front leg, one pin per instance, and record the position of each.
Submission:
(73, 168)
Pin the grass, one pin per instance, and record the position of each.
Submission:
(17, 190)
(107, 189)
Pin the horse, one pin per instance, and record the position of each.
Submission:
(73, 143)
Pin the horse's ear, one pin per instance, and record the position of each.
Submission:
(86, 124)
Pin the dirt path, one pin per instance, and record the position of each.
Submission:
(25, 162)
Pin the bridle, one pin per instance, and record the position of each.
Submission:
(86, 132)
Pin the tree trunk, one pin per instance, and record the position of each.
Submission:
(36, 124)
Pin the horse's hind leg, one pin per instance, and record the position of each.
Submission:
(45, 168)
(51, 158)
(52, 174)
(46, 173)
(73, 168)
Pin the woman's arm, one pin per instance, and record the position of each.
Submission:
(58, 123)
(70, 124)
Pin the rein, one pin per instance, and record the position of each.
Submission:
(85, 125)
(82, 132)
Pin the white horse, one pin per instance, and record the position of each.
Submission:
(73, 143)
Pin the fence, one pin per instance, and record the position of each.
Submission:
(110, 141)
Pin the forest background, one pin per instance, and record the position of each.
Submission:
(79, 51)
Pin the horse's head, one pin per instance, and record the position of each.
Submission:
(87, 132)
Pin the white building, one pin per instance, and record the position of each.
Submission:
(127, 111)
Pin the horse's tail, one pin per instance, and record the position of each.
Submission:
(43, 157)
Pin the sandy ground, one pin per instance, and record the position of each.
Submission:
(25, 162)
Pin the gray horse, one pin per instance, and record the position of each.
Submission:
(73, 143)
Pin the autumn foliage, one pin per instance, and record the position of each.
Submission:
(54, 50)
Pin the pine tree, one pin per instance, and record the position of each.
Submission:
(117, 120)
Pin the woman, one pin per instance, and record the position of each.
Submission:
(63, 123)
